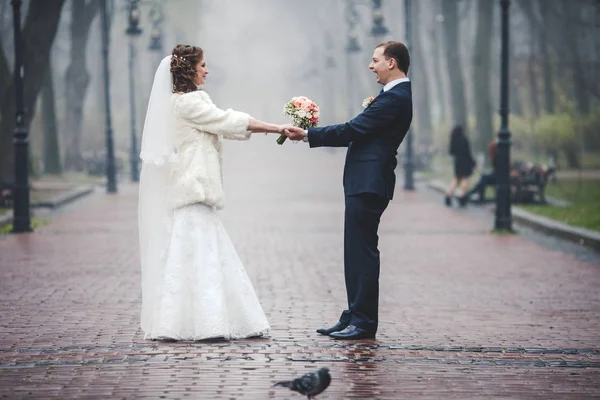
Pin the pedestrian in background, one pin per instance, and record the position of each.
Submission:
(460, 149)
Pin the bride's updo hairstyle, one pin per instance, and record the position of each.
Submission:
(184, 59)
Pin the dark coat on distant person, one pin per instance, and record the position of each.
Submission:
(460, 149)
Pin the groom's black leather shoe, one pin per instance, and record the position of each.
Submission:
(352, 333)
(336, 328)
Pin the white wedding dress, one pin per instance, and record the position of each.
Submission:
(194, 285)
(205, 292)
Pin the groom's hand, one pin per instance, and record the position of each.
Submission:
(294, 133)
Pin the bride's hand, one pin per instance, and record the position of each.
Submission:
(283, 129)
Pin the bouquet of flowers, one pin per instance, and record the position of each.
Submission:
(303, 113)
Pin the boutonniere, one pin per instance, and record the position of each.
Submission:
(368, 101)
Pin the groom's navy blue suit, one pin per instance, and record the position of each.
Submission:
(372, 138)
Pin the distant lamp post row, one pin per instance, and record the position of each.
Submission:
(352, 47)
(157, 17)
(378, 30)
(133, 31)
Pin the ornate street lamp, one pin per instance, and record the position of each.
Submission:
(352, 46)
(111, 171)
(133, 31)
(409, 182)
(157, 17)
(379, 29)
(21, 213)
(155, 40)
(503, 207)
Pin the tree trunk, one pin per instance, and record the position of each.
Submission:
(451, 27)
(440, 68)
(482, 96)
(514, 85)
(540, 37)
(421, 96)
(532, 74)
(572, 16)
(38, 34)
(547, 76)
(572, 154)
(51, 147)
(77, 80)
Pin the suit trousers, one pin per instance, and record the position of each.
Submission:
(361, 259)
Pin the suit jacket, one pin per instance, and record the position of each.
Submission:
(372, 138)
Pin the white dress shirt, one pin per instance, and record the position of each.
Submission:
(393, 83)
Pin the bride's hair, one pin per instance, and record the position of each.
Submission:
(184, 59)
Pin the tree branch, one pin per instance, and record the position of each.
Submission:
(5, 79)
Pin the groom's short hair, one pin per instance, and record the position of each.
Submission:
(399, 52)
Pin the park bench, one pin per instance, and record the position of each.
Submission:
(528, 182)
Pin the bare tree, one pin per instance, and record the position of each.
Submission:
(572, 17)
(422, 96)
(51, 148)
(481, 75)
(532, 74)
(77, 79)
(537, 12)
(38, 34)
(455, 70)
(547, 75)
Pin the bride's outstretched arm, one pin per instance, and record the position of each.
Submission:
(198, 111)
(255, 125)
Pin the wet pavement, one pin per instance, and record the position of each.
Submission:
(464, 313)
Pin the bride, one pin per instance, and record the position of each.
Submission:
(194, 285)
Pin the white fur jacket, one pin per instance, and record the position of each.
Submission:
(199, 126)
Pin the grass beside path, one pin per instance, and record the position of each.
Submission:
(584, 210)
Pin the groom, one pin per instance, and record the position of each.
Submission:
(372, 139)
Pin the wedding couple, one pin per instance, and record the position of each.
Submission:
(194, 285)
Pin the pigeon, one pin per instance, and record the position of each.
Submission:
(310, 384)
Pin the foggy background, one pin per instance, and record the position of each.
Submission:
(262, 52)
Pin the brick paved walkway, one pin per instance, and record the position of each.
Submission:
(464, 313)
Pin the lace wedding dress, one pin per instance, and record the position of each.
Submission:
(194, 285)
(206, 292)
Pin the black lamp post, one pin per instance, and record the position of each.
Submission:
(351, 48)
(21, 213)
(503, 211)
(111, 179)
(133, 31)
(156, 40)
(409, 182)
